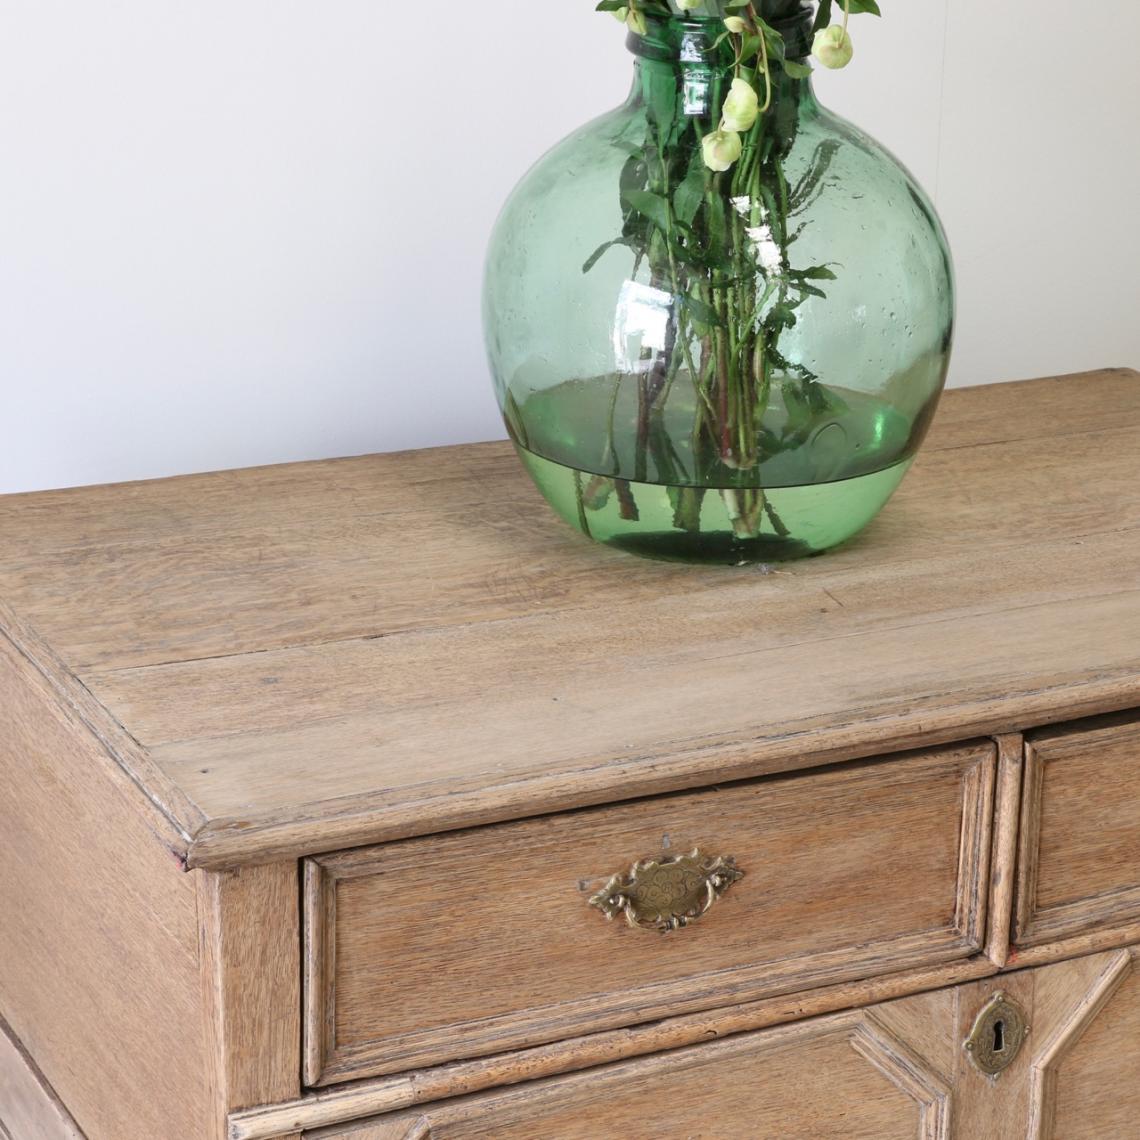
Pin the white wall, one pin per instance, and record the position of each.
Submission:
(251, 231)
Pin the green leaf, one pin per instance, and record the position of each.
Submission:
(797, 70)
(815, 273)
(689, 195)
(702, 311)
(774, 42)
(651, 206)
(598, 253)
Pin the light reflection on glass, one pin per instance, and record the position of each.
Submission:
(640, 323)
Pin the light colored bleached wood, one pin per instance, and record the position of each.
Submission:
(1080, 841)
(391, 1094)
(125, 762)
(29, 1107)
(251, 984)
(431, 950)
(1091, 942)
(45, 523)
(489, 664)
(1074, 1078)
(318, 960)
(844, 1076)
(1093, 1091)
(1003, 867)
(378, 1130)
(911, 1019)
(234, 669)
(98, 938)
(1064, 1038)
(905, 1068)
(984, 1107)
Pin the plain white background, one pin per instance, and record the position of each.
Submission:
(252, 231)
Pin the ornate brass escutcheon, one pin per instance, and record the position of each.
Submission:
(999, 1032)
(667, 893)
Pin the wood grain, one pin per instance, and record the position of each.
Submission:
(1074, 1078)
(390, 1094)
(251, 985)
(831, 1077)
(29, 1107)
(489, 664)
(1003, 867)
(481, 941)
(1080, 840)
(98, 941)
(52, 522)
(1079, 945)
(1062, 1041)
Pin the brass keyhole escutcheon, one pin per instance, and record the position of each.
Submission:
(999, 1032)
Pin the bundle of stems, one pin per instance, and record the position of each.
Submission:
(712, 218)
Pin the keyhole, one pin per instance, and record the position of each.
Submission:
(999, 1036)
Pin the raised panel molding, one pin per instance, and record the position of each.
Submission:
(1079, 806)
(905, 1069)
(1046, 1066)
(894, 1060)
(363, 907)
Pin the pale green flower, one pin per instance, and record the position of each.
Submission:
(741, 107)
(688, 5)
(833, 47)
(721, 149)
(735, 25)
(632, 19)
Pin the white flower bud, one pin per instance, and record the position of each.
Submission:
(833, 47)
(735, 25)
(741, 107)
(721, 149)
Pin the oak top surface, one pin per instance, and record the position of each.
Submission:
(299, 658)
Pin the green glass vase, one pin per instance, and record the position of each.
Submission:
(718, 366)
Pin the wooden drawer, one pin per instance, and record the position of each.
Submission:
(428, 950)
(1079, 859)
(893, 1071)
(836, 1078)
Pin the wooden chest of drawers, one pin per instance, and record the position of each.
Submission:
(327, 791)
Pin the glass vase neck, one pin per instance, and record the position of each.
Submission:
(701, 77)
(693, 38)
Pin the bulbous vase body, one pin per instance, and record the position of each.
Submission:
(727, 366)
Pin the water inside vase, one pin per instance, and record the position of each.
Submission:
(653, 492)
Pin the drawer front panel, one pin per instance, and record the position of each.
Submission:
(841, 1077)
(898, 1069)
(1079, 862)
(429, 950)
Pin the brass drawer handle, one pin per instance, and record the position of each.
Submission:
(667, 893)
